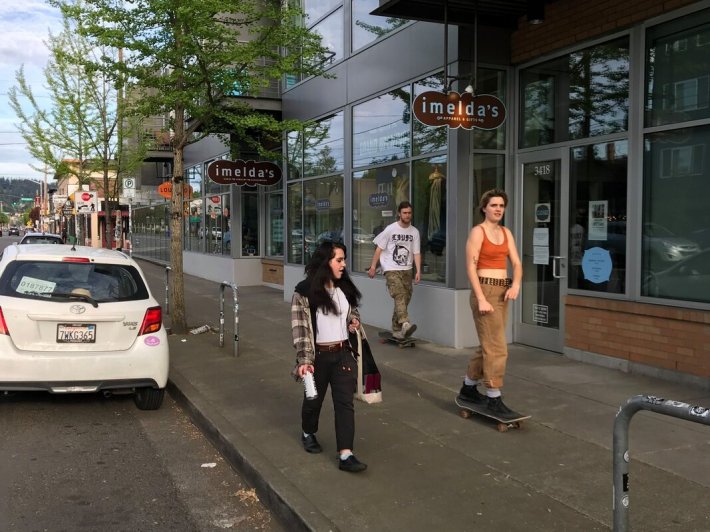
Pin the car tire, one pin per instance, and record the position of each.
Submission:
(149, 398)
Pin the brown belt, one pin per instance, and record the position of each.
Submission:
(495, 282)
(331, 348)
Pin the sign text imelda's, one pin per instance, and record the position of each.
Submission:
(437, 109)
(244, 173)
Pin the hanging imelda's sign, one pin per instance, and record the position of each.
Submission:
(240, 172)
(482, 111)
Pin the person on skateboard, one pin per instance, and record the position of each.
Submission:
(397, 249)
(489, 249)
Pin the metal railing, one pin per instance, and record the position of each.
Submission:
(168, 269)
(235, 295)
(697, 414)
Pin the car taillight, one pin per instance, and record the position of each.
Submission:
(75, 259)
(3, 325)
(152, 321)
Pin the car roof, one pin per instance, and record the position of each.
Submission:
(59, 252)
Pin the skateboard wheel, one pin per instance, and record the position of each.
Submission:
(502, 427)
(465, 413)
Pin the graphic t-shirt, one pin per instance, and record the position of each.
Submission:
(399, 245)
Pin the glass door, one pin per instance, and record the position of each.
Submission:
(540, 313)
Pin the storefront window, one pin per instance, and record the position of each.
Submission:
(675, 241)
(488, 173)
(275, 224)
(367, 28)
(376, 194)
(294, 198)
(381, 128)
(323, 212)
(429, 201)
(491, 82)
(428, 139)
(250, 225)
(324, 150)
(678, 70)
(294, 154)
(597, 216)
(580, 95)
(217, 224)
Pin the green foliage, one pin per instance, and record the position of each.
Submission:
(201, 61)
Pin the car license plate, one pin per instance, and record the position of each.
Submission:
(76, 333)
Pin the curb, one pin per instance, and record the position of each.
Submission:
(275, 491)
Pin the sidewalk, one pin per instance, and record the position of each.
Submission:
(429, 469)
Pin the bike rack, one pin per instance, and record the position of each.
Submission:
(235, 294)
(697, 414)
(168, 269)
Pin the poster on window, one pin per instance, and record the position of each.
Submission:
(597, 219)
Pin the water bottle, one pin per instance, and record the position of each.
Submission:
(310, 386)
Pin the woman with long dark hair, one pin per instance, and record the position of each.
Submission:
(323, 310)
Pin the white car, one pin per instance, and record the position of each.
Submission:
(80, 319)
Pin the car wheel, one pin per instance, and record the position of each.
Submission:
(149, 398)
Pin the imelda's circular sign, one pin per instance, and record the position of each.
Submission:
(240, 172)
(435, 108)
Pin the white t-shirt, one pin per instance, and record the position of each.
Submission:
(333, 327)
(399, 245)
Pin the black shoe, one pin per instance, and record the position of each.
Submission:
(498, 409)
(471, 394)
(351, 464)
(310, 444)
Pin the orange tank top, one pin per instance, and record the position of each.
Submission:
(492, 256)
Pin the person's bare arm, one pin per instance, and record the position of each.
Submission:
(375, 259)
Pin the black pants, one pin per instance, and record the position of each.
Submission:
(339, 369)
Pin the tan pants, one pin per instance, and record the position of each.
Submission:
(399, 285)
(489, 360)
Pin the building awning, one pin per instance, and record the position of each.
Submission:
(499, 13)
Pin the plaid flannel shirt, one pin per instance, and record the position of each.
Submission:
(302, 328)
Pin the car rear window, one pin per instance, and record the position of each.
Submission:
(41, 240)
(104, 283)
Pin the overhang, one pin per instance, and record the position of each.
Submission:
(498, 13)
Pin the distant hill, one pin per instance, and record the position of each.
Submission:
(13, 190)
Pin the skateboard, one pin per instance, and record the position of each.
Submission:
(468, 409)
(386, 336)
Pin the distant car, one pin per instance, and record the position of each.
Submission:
(80, 319)
(666, 246)
(688, 280)
(41, 238)
(14, 231)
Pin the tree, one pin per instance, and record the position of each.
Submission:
(198, 62)
(77, 133)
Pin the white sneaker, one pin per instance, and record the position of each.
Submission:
(399, 335)
(408, 329)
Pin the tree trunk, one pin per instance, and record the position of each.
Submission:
(176, 285)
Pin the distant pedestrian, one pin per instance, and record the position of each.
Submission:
(397, 250)
(489, 248)
(323, 310)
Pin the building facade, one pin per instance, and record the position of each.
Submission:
(603, 152)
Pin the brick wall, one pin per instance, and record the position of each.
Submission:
(571, 21)
(671, 338)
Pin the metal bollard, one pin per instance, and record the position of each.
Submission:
(168, 269)
(697, 414)
(235, 295)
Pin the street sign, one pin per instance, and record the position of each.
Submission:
(86, 201)
(129, 183)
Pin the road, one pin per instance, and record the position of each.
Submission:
(86, 462)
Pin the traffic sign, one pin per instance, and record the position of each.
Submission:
(129, 183)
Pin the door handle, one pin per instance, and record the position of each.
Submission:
(557, 259)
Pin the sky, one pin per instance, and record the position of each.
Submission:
(24, 27)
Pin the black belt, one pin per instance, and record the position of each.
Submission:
(332, 348)
(495, 282)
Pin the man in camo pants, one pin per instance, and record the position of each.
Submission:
(397, 250)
